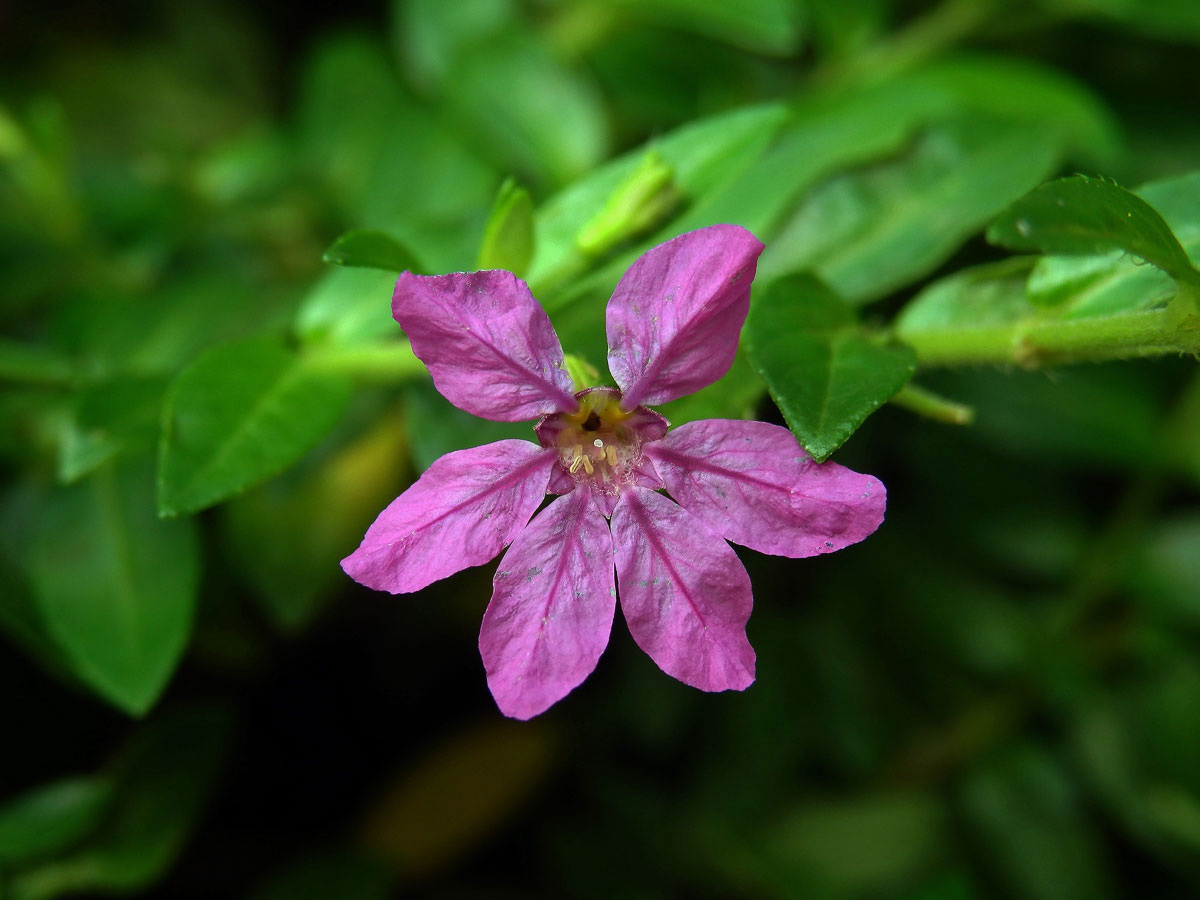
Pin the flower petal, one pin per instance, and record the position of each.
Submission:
(552, 609)
(684, 593)
(489, 346)
(754, 484)
(675, 316)
(461, 512)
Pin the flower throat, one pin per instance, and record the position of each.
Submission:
(600, 442)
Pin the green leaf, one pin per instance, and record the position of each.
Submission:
(527, 109)
(371, 249)
(238, 414)
(969, 302)
(389, 162)
(150, 333)
(288, 555)
(50, 818)
(1170, 20)
(1113, 282)
(841, 29)
(161, 783)
(701, 155)
(508, 235)
(330, 874)
(436, 428)
(834, 131)
(773, 27)
(870, 232)
(637, 205)
(1103, 415)
(1169, 579)
(1033, 830)
(823, 372)
(1017, 90)
(109, 419)
(115, 585)
(21, 620)
(1060, 308)
(348, 306)
(1081, 286)
(732, 396)
(1133, 748)
(33, 363)
(1081, 215)
(862, 845)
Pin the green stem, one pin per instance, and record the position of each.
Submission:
(1032, 343)
(385, 361)
(933, 406)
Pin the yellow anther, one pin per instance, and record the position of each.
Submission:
(610, 453)
(587, 465)
(579, 459)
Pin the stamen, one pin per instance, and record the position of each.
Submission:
(610, 453)
(587, 465)
(579, 459)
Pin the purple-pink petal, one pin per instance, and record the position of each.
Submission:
(489, 346)
(460, 513)
(674, 319)
(552, 609)
(684, 592)
(752, 483)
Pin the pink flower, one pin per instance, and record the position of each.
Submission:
(673, 324)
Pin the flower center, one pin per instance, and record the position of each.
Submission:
(600, 442)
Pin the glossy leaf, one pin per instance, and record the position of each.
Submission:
(115, 586)
(1114, 282)
(240, 413)
(367, 248)
(1081, 215)
(825, 375)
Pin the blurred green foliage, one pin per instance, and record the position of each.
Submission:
(204, 402)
